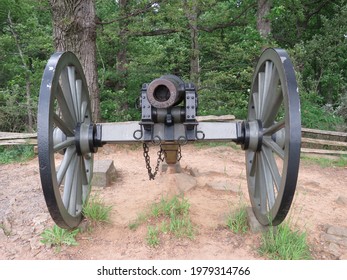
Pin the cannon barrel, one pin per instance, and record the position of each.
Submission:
(166, 91)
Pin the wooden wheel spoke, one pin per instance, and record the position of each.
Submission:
(274, 128)
(69, 182)
(62, 125)
(65, 144)
(274, 146)
(271, 164)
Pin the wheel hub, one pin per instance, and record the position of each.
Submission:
(87, 138)
(253, 135)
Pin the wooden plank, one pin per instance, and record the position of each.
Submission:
(324, 132)
(10, 142)
(13, 135)
(323, 142)
(323, 152)
(215, 118)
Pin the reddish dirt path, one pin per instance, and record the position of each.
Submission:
(24, 215)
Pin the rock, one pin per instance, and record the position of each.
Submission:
(334, 239)
(222, 185)
(341, 200)
(334, 249)
(343, 257)
(184, 182)
(338, 231)
(194, 172)
(177, 184)
(104, 173)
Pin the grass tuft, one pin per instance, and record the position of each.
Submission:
(285, 244)
(167, 216)
(96, 211)
(237, 221)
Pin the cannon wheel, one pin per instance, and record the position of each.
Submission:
(274, 130)
(64, 107)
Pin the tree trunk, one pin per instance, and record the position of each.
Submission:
(192, 16)
(74, 29)
(121, 66)
(27, 75)
(263, 23)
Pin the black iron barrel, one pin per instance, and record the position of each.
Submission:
(166, 91)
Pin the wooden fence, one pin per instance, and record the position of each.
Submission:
(313, 140)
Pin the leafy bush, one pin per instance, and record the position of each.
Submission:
(18, 153)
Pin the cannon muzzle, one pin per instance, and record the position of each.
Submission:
(166, 91)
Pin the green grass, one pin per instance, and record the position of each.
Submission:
(57, 237)
(208, 144)
(326, 162)
(20, 153)
(167, 216)
(96, 211)
(152, 236)
(237, 221)
(283, 243)
(5, 230)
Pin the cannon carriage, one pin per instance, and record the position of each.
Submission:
(68, 138)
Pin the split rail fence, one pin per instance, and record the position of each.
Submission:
(314, 141)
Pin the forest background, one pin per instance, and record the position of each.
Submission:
(213, 43)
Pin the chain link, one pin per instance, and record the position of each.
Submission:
(161, 157)
(148, 161)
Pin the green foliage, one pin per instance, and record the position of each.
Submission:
(156, 40)
(152, 236)
(96, 211)
(315, 115)
(58, 237)
(167, 216)
(20, 153)
(326, 162)
(282, 243)
(237, 221)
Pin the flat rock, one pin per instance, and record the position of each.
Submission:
(341, 200)
(338, 231)
(334, 239)
(104, 173)
(334, 249)
(223, 186)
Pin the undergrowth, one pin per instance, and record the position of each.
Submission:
(166, 217)
(20, 153)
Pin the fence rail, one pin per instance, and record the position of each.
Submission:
(313, 140)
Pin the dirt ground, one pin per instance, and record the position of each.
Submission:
(24, 216)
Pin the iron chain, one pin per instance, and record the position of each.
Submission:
(161, 157)
(148, 161)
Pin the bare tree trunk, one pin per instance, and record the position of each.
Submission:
(263, 23)
(192, 16)
(121, 66)
(74, 29)
(27, 74)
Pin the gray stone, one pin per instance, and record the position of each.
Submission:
(334, 239)
(194, 172)
(339, 231)
(104, 173)
(334, 249)
(184, 182)
(341, 200)
(223, 185)
(253, 223)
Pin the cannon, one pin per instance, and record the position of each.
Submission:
(68, 138)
